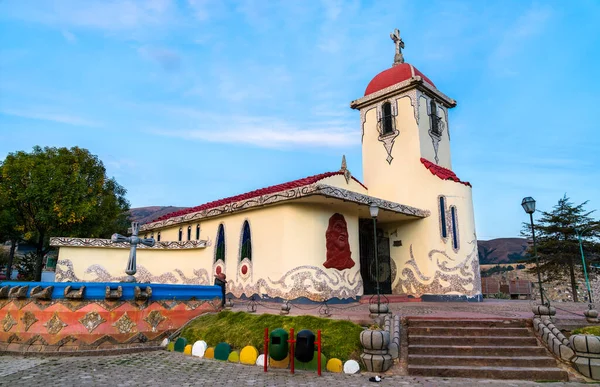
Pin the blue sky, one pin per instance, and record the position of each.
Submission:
(189, 101)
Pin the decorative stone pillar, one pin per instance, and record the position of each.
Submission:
(378, 310)
(375, 355)
(591, 315)
(587, 355)
(543, 312)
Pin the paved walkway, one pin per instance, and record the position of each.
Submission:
(487, 309)
(162, 368)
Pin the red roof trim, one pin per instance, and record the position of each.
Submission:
(443, 173)
(252, 194)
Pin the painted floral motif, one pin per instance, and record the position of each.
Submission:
(125, 324)
(91, 321)
(55, 324)
(28, 320)
(8, 322)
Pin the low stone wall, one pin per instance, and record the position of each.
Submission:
(45, 324)
(582, 351)
(553, 338)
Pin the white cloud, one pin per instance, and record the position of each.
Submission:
(69, 36)
(266, 132)
(517, 36)
(168, 59)
(50, 115)
(109, 15)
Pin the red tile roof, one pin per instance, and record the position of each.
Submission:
(442, 173)
(259, 192)
(391, 76)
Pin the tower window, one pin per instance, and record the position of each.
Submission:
(434, 119)
(246, 245)
(189, 234)
(198, 231)
(220, 246)
(454, 228)
(158, 236)
(443, 226)
(180, 234)
(387, 119)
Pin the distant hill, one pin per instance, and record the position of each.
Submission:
(145, 215)
(502, 250)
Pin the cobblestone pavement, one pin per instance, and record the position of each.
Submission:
(162, 368)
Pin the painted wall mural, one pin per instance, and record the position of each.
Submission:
(339, 255)
(453, 276)
(65, 273)
(311, 282)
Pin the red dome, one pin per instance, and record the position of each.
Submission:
(396, 74)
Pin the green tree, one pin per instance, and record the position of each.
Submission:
(61, 192)
(557, 242)
(10, 230)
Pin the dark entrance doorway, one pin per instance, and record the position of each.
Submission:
(367, 259)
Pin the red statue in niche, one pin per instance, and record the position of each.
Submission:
(338, 248)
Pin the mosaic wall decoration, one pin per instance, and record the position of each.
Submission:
(65, 273)
(454, 275)
(307, 281)
(244, 271)
(339, 255)
(96, 242)
(74, 325)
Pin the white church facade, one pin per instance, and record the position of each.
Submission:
(313, 238)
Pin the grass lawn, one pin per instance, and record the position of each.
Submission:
(239, 329)
(591, 330)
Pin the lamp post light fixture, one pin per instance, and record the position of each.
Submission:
(587, 281)
(374, 211)
(528, 204)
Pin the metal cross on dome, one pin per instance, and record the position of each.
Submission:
(133, 240)
(398, 58)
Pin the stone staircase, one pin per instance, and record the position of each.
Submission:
(491, 349)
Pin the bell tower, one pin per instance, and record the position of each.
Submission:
(406, 160)
(404, 118)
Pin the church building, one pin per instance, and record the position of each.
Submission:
(315, 238)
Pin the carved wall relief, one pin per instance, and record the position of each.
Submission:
(339, 255)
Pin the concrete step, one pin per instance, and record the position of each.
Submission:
(494, 361)
(473, 340)
(476, 350)
(472, 323)
(468, 331)
(487, 372)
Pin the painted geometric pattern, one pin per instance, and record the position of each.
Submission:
(97, 242)
(88, 324)
(91, 321)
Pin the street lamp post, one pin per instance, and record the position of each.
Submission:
(374, 210)
(587, 281)
(528, 204)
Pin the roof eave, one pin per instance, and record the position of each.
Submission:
(287, 195)
(414, 82)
